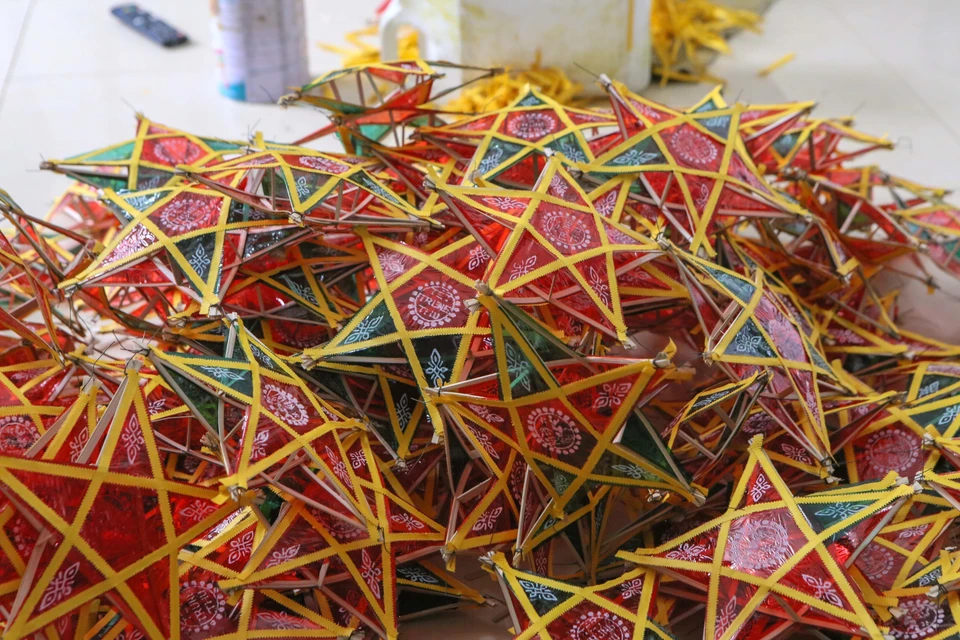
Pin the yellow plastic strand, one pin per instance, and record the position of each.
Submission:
(500, 91)
(682, 30)
(363, 52)
(773, 66)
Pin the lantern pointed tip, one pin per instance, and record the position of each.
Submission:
(483, 288)
(661, 361)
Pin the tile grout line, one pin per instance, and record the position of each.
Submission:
(24, 25)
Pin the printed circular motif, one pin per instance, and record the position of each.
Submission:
(284, 405)
(693, 147)
(566, 230)
(176, 151)
(17, 434)
(531, 125)
(891, 449)
(323, 164)
(756, 544)
(553, 430)
(875, 561)
(600, 625)
(922, 617)
(434, 304)
(201, 605)
(184, 214)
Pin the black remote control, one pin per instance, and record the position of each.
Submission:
(145, 24)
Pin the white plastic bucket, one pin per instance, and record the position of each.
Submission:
(582, 37)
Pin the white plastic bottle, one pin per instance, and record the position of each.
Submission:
(261, 47)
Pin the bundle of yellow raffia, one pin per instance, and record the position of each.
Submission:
(684, 32)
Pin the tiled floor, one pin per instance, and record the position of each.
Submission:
(71, 78)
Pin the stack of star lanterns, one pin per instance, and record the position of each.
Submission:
(643, 363)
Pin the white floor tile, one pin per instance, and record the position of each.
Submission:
(66, 37)
(12, 15)
(918, 46)
(70, 37)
